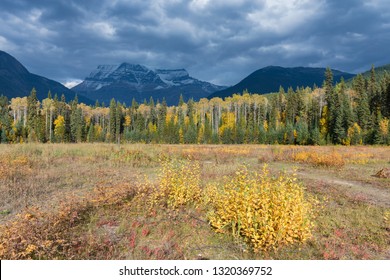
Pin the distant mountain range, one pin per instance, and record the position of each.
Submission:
(269, 79)
(127, 81)
(17, 81)
(379, 71)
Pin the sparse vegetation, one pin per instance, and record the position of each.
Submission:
(103, 201)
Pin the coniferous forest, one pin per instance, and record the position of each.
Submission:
(349, 113)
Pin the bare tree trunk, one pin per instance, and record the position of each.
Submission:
(51, 125)
(25, 116)
(46, 122)
(254, 113)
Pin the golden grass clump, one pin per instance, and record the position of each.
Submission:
(10, 166)
(332, 159)
(359, 158)
(267, 212)
(178, 185)
(135, 158)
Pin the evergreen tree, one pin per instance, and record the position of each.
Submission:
(76, 122)
(300, 105)
(67, 112)
(386, 98)
(362, 108)
(346, 104)
(3, 136)
(191, 135)
(208, 133)
(375, 135)
(40, 129)
(338, 130)
(240, 130)
(313, 113)
(91, 134)
(181, 100)
(315, 136)
(112, 123)
(289, 135)
(332, 103)
(153, 112)
(32, 115)
(374, 95)
(291, 106)
(338, 115)
(161, 115)
(118, 122)
(190, 108)
(302, 133)
(5, 121)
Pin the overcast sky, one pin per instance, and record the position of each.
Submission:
(220, 41)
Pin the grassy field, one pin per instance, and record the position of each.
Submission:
(91, 201)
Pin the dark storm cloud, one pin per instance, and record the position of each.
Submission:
(220, 40)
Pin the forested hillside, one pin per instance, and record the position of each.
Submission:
(270, 78)
(339, 114)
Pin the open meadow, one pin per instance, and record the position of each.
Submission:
(149, 201)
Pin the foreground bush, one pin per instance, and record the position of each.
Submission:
(178, 185)
(267, 212)
(39, 234)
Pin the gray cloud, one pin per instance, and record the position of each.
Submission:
(220, 41)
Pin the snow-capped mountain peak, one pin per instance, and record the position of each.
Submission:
(141, 81)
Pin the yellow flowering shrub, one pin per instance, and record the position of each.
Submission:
(332, 159)
(178, 184)
(267, 212)
(301, 156)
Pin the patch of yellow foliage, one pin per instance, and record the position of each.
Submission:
(178, 185)
(267, 212)
(332, 159)
(9, 166)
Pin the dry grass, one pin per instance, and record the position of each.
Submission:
(71, 201)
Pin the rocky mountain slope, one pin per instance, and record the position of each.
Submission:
(127, 81)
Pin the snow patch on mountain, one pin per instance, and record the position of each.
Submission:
(172, 75)
(127, 79)
(103, 71)
(138, 76)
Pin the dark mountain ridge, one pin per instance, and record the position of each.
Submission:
(270, 78)
(17, 81)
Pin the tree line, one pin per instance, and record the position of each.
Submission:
(352, 113)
